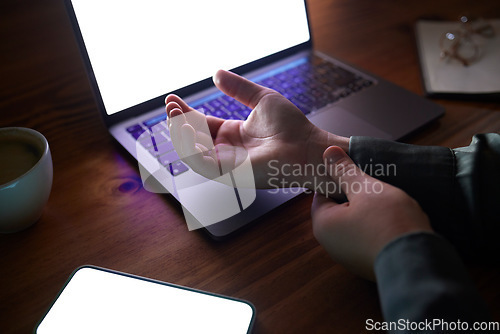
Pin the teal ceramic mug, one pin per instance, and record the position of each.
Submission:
(25, 177)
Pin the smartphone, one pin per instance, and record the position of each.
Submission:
(97, 300)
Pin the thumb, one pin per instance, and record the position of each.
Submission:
(239, 88)
(352, 180)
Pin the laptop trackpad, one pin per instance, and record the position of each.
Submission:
(343, 123)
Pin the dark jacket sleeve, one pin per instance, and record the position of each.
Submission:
(420, 276)
(421, 279)
(459, 189)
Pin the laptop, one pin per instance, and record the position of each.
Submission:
(137, 52)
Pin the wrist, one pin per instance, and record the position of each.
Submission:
(340, 141)
(318, 142)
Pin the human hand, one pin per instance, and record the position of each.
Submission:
(276, 130)
(354, 232)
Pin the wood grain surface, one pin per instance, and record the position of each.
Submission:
(98, 212)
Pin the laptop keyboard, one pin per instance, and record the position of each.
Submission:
(314, 83)
(309, 83)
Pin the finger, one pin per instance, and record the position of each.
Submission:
(321, 202)
(174, 98)
(199, 123)
(191, 145)
(198, 157)
(173, 101)
(345, 173)
(204, 165)
(241, 89)
(188, 141)
(191, 142)
(168, 109)
(171, 106)
(194, 117)
(175, 122)
(214, 124)
(325, 211)
(208, 153)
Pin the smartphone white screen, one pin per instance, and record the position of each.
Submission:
(99, 301)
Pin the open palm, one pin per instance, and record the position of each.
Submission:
(275, 134)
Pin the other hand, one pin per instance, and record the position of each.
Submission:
(354, 232)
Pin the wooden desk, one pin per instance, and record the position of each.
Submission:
(98, 213)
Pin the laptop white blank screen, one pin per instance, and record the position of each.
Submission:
(140, 50)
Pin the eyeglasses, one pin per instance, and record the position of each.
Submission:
(461, 44)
